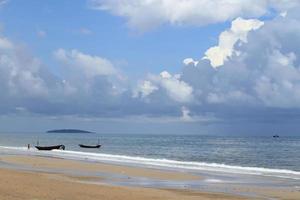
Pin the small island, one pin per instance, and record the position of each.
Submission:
(68, 131)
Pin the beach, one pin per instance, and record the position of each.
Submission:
(150, 100)
(24, 185)
(33, 177)
(17, 184)
(147, 167)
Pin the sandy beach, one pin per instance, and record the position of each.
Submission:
(56, 163)
(17, 184)
(150, 100)
(26, 184)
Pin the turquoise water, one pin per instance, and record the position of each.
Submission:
(259, 152)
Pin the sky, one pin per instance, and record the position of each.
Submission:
(150, 66)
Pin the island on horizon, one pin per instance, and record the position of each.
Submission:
(68, 131)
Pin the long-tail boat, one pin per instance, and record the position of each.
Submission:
(90, 146)
(97, 146)
(49, 148)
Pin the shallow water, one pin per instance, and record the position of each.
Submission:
(244, 154)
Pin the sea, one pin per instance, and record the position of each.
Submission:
(261, 155)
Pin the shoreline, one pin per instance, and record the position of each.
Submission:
(111, 176)
(16, 185)
(20, 184)
(158, 163)
(41, 162)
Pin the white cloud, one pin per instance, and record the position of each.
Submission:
(20, 73)
(148, 14)
(5, 44)
(189, 61)
(263, 70)
(89, 78)
(26, 81)
(186, 114)
(178, 90)
(90, 66)
(228, 97)
(217, 55)
(175, 88)
(279, 85)
(144, 89)
(283, 14)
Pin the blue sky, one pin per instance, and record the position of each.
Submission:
(130, 66)
(65, 22)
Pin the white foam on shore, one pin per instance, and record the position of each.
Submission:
(158, 163)
(214, 181)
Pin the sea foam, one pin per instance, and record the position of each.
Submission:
(156, 163)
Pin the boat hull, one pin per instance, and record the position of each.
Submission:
(49, 148)
(90, 147)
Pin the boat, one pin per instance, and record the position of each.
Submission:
(49, 148)
(90, 146)
(97, 146)
(275, 136)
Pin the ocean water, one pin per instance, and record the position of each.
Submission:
(253, 155)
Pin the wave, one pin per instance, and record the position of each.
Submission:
(158, 163)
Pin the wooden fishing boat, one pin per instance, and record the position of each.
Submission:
(90, 146)
(97, 146)
(49, 148)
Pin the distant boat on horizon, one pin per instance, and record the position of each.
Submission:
(275, 136)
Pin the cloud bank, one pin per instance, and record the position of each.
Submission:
(145, 15)
(252, 73)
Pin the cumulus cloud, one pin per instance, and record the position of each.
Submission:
(145, 15)
(20, 74)
(90, 65)
(279, 85)
(262, 73)
(188, 61)
(5, 44)
(258, 69)
(176, 89)
(90, 76)
(238, 32)
(87, 84)
(144, 89)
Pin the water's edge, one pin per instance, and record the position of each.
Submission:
(156, 163)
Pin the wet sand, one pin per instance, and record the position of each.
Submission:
(56, 163)
(18, 184)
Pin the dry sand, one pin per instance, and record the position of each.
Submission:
(15, 185)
